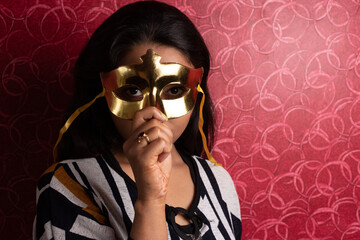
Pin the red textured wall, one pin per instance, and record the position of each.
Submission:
(286, 86)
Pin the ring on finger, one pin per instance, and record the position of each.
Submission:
(142, 136)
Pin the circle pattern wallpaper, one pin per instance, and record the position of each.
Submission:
(285, 83)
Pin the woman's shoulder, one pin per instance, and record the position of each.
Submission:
(216, 177)
(70, 170)
(58, 166)
(67, 201)
(216, 169)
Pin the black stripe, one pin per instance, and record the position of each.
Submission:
(217, 193)
(237, 226)
(69, 172)
(115, 191)
(130, 184)
(195, 175)
(70, 235)
(83, 177)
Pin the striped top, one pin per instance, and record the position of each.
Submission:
(93, 198)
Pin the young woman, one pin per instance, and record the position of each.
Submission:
(132, 168)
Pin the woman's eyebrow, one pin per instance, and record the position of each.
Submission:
(136, 80)
(165, 80)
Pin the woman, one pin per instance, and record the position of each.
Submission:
(135, 171)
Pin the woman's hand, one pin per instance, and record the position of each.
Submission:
(151, 164)
(150, 161)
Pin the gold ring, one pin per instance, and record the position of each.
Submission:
(141, 136)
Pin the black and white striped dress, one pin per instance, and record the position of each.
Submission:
(93, 198)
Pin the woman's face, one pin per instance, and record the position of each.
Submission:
(168, 54)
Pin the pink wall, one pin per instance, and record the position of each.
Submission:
(285, 82)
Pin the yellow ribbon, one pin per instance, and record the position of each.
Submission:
(201, 124)
(71, 119)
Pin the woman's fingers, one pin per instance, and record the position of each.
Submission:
(147, 133)
(144, 155)
(158, 147)
(159, 131)
(145, 115)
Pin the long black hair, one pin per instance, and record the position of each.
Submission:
(93, 132)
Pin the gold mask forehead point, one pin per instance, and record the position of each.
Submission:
(150, 58)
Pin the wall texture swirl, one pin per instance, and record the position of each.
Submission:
(285, 82)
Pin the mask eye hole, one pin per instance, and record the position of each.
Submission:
(129, 93)
(173, 91)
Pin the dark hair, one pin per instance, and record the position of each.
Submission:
(93, 132)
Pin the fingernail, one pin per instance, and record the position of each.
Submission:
(164, 116)
(171, 146)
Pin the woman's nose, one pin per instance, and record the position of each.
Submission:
(155, 100)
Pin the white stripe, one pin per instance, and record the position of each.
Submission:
(79, 179)
(102, 189)
(34, 228)
(124, 194)
(87, 227)
(206, 208)
(214, 198)
(39, 192)
(228, 192)
(76, 174)
(168, 230)
(204, 229)
(52, 232)
(58, 186)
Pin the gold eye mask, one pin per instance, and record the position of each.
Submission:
(171, 87)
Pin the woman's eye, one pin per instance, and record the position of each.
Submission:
(173, 92)
(133, 91)
(129, 93)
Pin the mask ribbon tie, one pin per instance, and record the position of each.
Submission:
(71, 119)
(201, 124)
